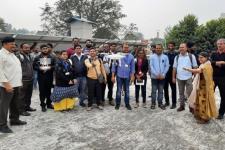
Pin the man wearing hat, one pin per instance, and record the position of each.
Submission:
(10, 81)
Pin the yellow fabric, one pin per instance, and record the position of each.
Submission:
(65, 104)
(205, 102)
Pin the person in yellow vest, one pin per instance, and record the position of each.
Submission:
(95, 77)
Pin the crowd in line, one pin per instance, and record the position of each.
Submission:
(77, 74)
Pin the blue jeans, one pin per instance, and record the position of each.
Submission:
(82, 83)
(157, 86)
(35, 81)
(122, 82)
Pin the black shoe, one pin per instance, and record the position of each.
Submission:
(17, 122)
(82, 105)
(128, 107)
(111, 102)
(117, 107)
(43, 109)
(181, 108)
(167, 104)
(153, 106)
(25, 113)
(30, 109)
(162, 106)
(173, 107)
(220, 117)
(5, 129)
(50, 107)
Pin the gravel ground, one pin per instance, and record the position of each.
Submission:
(140, 128)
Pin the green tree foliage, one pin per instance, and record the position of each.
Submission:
(204, 36)
(184, 31)
(105, 13)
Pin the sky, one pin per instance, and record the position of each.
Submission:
(149, 15)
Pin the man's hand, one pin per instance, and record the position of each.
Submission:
(174, 80)
(161, 77)
(132, 78)
(8, 87)
(113, 79)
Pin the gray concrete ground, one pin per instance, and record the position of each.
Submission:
(138, 129)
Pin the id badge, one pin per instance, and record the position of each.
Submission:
(126, 66)
(67, 73)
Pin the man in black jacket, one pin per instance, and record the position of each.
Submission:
(168, 80)
(218, 63)
(80, 72)
(44, 64)
(25, 92)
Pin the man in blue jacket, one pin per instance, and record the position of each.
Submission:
(159, 65)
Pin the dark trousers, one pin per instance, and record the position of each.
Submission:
(143, 91)
(220, 82)
(110, 88)
(94, 91)
(168, 81)
(45, 87)
(8, 101)
(25, 94)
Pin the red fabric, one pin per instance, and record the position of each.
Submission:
(70, 52)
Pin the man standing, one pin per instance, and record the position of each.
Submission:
(218, 63)
(44, 64)
(124, 72)
(171, 54)
(87, 47)
(25, 92)
(80, 72)
(108, 68)
(95, 69)
(10, 81)
(159, 65)
(71, 51)
(184, 78)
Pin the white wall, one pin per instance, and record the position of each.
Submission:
(81, 30)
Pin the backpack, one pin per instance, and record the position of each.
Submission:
(190, 57)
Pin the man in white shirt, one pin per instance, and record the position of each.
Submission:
(10, 81)
(184, 78)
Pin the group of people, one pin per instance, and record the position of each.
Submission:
(77, 74)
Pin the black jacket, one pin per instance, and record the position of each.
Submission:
(63, 73)
(144, 68)
(44, 74)
(79, 68)
(218, 72)
(27, 66)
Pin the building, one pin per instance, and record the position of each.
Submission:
(81, 27)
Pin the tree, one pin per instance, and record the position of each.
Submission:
(2, 25)
(131, 32)
(105, 13)
(184, 31)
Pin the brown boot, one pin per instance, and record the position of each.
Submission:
(181, 108)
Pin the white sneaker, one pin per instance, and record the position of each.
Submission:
(89, 108)
(100, 107)
(136, 105)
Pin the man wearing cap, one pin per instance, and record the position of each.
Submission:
(10, 81)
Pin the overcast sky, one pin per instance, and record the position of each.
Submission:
(149, 15)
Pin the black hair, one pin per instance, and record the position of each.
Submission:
(49, 45)
(172, 42)
(43, 45)
(22, 44)
(111, 44)
(88, 40)
(63, 51)
(77, 46)
(190, 44)
(8, 39)
(33, 45)
(204, 54)
(75, 38)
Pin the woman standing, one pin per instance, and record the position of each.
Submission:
(65, 90)
(141, 69)
(202, 99)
